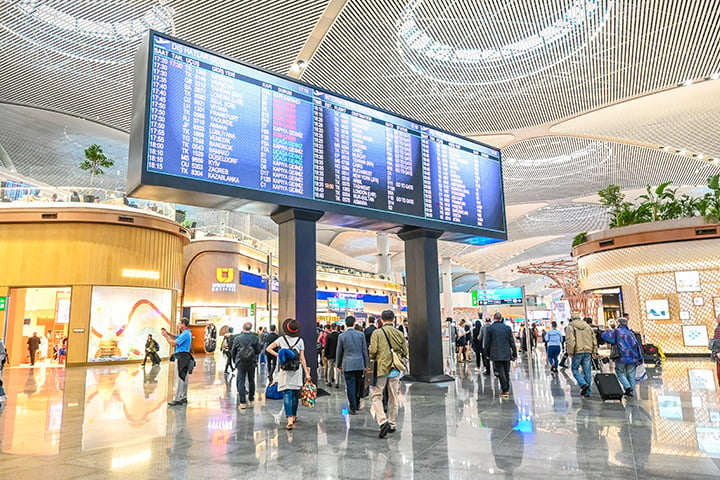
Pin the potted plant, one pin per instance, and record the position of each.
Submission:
(95, 161)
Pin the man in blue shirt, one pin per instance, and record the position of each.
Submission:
(183, 360)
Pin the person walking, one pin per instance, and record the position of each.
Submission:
(715, 351)
(370, 329)
(631, 354)
(386, 340)
(288, 349)
(485, 353)
(3, 361)
(151, 349)
(477, 344)
(329, 352)
(225, 349)
(184, 362)
(553, 344)
(352, 359)
(271, 361)
(33, 345)
(499, 342)
(244, 352)
(581, 347)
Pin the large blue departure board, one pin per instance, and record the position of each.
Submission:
(211, 131)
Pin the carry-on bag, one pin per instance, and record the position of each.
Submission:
(609, 386)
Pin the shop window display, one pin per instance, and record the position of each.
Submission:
(121, 319)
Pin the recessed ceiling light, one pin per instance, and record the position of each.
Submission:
(715, 76)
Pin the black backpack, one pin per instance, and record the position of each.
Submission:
(245, 353)
(291, 364)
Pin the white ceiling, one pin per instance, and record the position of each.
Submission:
(578, 93)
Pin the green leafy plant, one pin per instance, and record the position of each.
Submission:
(95, 161)
(579, 238)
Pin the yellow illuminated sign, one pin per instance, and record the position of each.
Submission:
(225, 275)
(133, 273)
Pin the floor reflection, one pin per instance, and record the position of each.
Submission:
(113, 421)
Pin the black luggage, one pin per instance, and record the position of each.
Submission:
(155, 358)
(609, 386)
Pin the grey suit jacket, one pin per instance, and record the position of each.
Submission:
(352, 353)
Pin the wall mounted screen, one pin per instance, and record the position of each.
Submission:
(217, 133)
(498, 296)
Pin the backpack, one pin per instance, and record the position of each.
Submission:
(245, 354)
(291, 364)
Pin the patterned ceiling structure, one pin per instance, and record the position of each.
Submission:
(577, 93)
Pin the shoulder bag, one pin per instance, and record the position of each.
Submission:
(398, 362)
(615, 349)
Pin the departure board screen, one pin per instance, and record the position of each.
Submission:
(205, 123)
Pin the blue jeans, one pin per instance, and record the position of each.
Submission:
(354, 384)
(626, 374)
(242, 373)
(290, 399)
(583, 360)
(552, 353)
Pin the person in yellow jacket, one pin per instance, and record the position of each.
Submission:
(381, 342)
(581, 347)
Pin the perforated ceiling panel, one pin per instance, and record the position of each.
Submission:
(501, 65)
(570, 167)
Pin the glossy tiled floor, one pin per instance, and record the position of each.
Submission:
(113, 422)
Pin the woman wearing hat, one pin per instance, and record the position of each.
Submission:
(289, 381)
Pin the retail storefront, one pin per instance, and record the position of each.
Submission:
(90, 281)
(668, 274)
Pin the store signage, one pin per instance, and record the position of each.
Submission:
(224, 277)
(3, 302)
(252, 309)
(134, 273)
(78, 330)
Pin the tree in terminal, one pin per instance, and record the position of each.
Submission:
(95, 161)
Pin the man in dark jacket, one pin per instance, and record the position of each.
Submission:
(244, 352)
(271, 359)
(485, 353)
(499, 341)
(352, 358)
(329, 352)
(369, 330)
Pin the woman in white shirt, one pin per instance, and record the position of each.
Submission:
(289, 380)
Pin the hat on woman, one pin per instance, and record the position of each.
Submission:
(291, 327)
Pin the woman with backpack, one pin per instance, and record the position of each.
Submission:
(290, 350)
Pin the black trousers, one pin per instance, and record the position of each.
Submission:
(271, 362)
(502, 370)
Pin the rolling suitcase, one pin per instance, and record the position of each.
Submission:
(609, 386)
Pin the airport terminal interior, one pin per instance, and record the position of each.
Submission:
(554, 156)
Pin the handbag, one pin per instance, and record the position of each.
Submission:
(714, 345)
(615, 350)
(308, 393)
(272, 392)
(398, 362)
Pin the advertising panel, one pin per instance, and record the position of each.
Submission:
(121, 319)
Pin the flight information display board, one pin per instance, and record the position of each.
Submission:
(204, 123)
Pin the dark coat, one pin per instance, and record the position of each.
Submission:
(244, 338)
(331, 345)
(368, 333)
(498, 340)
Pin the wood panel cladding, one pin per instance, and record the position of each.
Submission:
(653, 234)
(87, 246)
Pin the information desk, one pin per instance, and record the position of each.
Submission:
(246, 138)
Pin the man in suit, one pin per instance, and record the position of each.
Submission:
(370, 329)
(329, 352)
(499, 341)
(352, 358)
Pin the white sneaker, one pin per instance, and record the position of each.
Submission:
(3, 398)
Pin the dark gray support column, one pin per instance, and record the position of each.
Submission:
(423, 299)
(297, 272)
